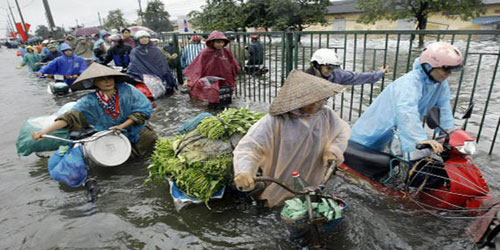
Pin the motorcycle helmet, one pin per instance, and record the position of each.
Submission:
(195, 39)
(254, 36)
(325, 57)
(115, 37)
(442, 55)
(141, 33)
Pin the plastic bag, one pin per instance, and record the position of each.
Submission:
(192, 123)
(69, 168)
(26, 145)
(155, 85)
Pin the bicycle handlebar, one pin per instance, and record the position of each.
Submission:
(88, 139)
(282, 184)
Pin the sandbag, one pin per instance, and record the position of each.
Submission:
(26, 145)
(68, 167)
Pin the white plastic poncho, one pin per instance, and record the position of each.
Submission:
(403, 104)
(282, 144)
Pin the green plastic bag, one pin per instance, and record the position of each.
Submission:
(26, 145)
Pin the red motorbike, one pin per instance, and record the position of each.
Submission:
(451, 182)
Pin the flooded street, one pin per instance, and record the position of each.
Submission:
(37, 212)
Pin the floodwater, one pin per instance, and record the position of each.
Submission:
(37, 212)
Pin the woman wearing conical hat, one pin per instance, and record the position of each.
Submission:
(300, 134)
(114, 105)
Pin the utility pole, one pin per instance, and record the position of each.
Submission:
(11, 14)
(22, 19)
(48, 13)
(11, 24)
(140, 12)
(99, 16)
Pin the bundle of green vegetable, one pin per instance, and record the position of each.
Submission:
(235, 120)
(200, 178)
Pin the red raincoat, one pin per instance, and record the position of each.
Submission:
(212, 62)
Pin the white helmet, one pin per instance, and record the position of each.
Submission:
(141, 33)
(326, 57)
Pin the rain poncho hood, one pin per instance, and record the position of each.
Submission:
(65, 46)
(148, 59)
(216, 35)
(83, 49)
(403, 105)
(131, 101)
(65, 65)
(282, 144)
(213, 62)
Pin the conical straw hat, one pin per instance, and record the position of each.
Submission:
(301, 89)
(95, 70)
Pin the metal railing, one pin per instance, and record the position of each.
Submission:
(363, 51)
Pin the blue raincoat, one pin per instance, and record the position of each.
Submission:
(131, 101)
(148, 59)
(65, 65)
(403, 104)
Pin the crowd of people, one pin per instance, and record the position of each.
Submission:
(300, 131)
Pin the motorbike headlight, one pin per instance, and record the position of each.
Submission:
(469, 148)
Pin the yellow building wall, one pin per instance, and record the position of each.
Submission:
(436, 21)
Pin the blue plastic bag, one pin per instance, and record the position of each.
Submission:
(69, 168)
(192, 123)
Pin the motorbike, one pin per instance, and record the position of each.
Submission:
(311, 226)
(102, 149)
(57, 87)
(450, 182)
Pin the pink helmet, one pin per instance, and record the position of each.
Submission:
(441, 54)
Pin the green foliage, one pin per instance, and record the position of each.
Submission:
(298, 14)
(235, 120)
(156, 17)
(374, 10)
(201, 179)
(218, 15)
(239, 14)
(115, 20)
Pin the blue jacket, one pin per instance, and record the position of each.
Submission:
(189, 53)
(403, 104)
(65, 65)
(131, 101)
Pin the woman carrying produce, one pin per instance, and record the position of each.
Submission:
(300, 134)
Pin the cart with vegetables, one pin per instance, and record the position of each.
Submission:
(199, 163)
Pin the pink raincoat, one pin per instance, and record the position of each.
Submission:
(282, 144)
(212, 62)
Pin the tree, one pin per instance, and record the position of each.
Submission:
(42, 31)
(298, 14)
(156, 17)
(219, 15)
(374, 10)
(115, 20)
(257, 14)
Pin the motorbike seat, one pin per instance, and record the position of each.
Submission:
(368, 162)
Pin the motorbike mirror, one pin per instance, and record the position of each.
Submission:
(433, 117)
(468, 111)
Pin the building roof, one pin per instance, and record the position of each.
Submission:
(486, 20)
(349, 6)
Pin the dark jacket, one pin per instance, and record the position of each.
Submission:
(120, 54)
(51, 56)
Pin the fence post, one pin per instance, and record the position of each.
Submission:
(289, 52)
(177, 50)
